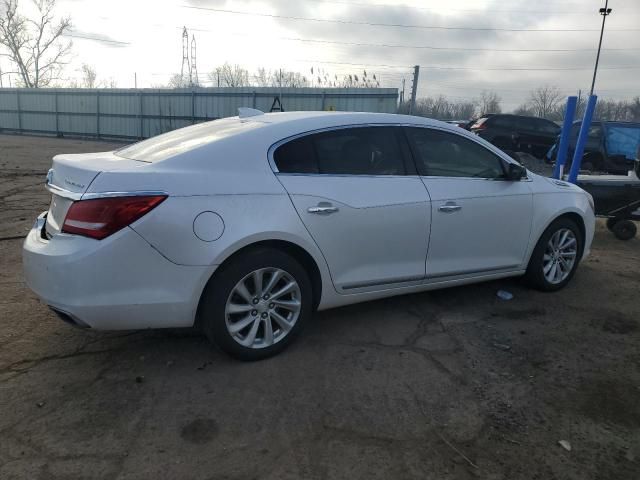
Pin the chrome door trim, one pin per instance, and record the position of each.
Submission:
(395, 281)
(508, 268)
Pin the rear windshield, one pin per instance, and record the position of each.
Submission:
(182, 140)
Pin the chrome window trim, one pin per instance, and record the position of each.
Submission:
(280, 142)
(274, 146)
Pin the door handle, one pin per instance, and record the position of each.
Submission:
(323, 209)
(449, 208)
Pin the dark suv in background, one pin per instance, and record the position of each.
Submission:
(518, 133)
(611, 147)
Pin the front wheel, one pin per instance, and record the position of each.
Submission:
(256, 305)
(555, 258)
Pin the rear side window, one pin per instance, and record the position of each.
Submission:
(443, 154)
(347, 151)
(503, 121)
(526, 124)
(296, 156)
(546, 127)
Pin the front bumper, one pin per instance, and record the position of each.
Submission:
(120, 282)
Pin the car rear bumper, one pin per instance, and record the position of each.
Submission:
(120, 282)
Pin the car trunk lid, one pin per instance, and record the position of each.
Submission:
(70, 177)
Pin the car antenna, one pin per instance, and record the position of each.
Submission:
(245, 112)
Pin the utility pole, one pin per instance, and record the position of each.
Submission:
(402, 93)
(135, 79)
(604, 12)
(414, 88)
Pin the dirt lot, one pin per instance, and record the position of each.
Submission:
(453, 384)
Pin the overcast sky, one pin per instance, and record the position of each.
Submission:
(471, 54)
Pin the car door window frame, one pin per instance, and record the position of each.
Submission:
(423, 173)
(404, 149)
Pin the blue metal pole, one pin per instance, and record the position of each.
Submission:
(563, 145)
(582, 139)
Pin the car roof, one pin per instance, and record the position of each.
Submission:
(264, 129)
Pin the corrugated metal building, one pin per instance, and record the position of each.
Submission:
(141, 113)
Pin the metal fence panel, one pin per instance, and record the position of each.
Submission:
(141, 113)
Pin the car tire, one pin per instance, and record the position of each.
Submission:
(611, 222)
(218, 316)
(624, 229)
(541, 272)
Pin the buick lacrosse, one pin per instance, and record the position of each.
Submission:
(246, 225)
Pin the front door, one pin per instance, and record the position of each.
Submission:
(368, 212)
(481, 222)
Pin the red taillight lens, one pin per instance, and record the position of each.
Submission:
(481, 124)
(101, 217)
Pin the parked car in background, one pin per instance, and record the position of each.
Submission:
(611, 147)
(243, 226)
(518, 133)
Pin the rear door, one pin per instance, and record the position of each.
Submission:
(481, 222)
(360, 198)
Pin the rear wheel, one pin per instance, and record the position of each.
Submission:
(624, 229)
(611, 222)
(256, 305)
(555, 257)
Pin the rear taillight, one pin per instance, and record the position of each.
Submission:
(98, 218)
(480, 124)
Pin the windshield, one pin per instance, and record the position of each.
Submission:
(179, 141)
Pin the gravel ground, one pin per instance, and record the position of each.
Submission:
(453, 384)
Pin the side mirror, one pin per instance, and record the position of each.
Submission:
(515, 172)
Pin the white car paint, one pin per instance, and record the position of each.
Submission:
(388, 236)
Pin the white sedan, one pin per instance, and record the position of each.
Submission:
(246, 225)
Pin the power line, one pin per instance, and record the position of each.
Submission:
(443, 67)
(396, 25)
(439, 8)
(423, 47)
(95, 39)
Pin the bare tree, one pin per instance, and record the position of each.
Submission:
(89, 76)
(489, 103)
(544, 101)
(229, 76)
(177, 81)
(34, 46)
(442, 108)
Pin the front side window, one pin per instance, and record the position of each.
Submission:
(346, 151)
(443, 154)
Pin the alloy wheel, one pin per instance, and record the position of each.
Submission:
(263, 307)
(560, 256)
